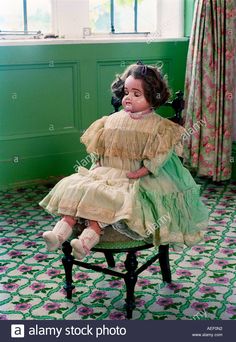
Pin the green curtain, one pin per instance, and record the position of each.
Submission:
(209, 89)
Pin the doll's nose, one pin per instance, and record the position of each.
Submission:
(128, 97)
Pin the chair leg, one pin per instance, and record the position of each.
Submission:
(130, 281)
(67, 262)
(164, 263)
(110, 259)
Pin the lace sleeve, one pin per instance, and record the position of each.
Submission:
(92, 137)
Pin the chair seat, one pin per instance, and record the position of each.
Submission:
(117, 242)
(121, 246)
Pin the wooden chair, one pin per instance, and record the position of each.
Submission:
(130, 247)
(113, 242)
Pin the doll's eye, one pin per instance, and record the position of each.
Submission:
(137, 94)
(126, 92)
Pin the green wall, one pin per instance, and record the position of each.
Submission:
(49, 94)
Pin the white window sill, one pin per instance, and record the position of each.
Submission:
(88, 40)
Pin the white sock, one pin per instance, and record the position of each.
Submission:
(58, 235)
(82, 246)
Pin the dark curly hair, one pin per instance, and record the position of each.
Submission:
(156, 90)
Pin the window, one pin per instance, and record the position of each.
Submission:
(133, 16)
(75, 19)
(99, 16)
(122, 16)
(11, 15)
(161, 17)
(39, 15)
(24, 16)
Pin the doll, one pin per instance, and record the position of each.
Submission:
(137, 183)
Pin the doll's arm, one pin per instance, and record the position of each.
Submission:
(143, 171)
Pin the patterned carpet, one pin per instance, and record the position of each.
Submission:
(31, 279)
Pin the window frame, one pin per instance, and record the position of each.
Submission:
(25, 16)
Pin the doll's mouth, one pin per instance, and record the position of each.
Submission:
(128, 106)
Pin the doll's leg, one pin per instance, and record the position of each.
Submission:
(87, 240)
(60, 233)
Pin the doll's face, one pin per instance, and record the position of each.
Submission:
(134, 99)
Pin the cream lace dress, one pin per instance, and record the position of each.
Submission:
(165, 205)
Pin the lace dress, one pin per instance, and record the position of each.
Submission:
(163, 206)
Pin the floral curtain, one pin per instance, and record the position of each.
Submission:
(234, 109)
(209, 89)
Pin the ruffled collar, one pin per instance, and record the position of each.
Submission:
(139, 115)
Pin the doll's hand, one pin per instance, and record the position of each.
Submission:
(143, 171)
(131, 175)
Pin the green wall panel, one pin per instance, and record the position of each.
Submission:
(49, 94)
(36, 98)
(25, 170)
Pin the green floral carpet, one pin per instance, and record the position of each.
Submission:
(31, 279)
